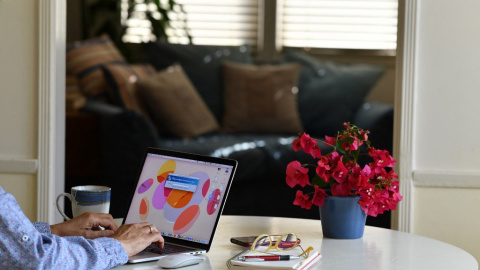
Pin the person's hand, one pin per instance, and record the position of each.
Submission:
(88, 225)
(136, 237)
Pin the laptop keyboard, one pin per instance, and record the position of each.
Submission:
(167, 249)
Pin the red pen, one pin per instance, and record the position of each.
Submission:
(267, 258)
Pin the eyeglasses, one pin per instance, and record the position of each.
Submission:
(284, 242)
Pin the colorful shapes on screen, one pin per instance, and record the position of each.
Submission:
(202, 188)
(167, 168)
(213, 201)
(179, 198)
(144, 208)
(159, 198)
(145, 185)
(205, 188)
(186, 220)
(171, 214)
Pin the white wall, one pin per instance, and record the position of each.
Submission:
(32, 72)
(446, 145)
(18, 101)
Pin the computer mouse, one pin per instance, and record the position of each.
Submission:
(179, 260)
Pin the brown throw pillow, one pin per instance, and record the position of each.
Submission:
(261, 98)
(85, 60)
(122, 79)
(174, 104)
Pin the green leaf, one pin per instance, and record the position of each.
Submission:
(317, 181)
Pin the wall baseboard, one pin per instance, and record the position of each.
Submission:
(446, 179)
(18, 166)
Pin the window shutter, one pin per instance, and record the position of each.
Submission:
(354, 24)
(225, 22)
(337, 24)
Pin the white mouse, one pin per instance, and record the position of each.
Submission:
(179, 260)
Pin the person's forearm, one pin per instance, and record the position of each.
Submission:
(22, 246)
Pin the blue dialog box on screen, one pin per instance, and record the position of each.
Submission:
(182, 182)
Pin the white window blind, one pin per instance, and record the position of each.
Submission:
(138, 27)
(226, 22)
(338, 24)
(353, 24)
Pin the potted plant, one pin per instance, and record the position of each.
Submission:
(345, 191)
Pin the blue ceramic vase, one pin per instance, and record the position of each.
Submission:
(342, 218)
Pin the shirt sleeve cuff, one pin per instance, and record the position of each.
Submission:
(113, 250)
(42, 227)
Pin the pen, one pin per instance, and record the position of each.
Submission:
(268, 258)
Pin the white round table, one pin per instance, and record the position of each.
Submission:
(378, 249)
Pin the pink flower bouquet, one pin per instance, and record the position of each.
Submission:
(338, 173)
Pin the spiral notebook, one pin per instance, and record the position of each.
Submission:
(300, 264)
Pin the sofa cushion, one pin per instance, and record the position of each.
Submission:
(175, 105)
(85, 60)
(261, 98)
(330, 93)
(122, 79)
(201, 64)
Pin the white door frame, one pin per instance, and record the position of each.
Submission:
(404, 110)
(51, 107)
(51, 111)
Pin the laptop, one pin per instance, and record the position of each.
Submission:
(183, 195)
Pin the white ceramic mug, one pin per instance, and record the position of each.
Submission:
(95, 199)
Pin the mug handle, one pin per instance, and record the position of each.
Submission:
(69, 196)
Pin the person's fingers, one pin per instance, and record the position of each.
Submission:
(97, 234)
(106, 221)
(150, 228)
(154, 237)
(160, 243)
(135, 237)
(146, 227)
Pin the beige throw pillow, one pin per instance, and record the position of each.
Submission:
(261, 98)
(174, 104)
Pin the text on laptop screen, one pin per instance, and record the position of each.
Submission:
(181, 197)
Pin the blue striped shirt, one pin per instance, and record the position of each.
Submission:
(27, 245)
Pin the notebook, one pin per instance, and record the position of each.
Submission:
(183, 195)
(299, 264)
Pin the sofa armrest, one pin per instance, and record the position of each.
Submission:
(378, 118)
(124, 137)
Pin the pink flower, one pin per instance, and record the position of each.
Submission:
(315, 152)
(307, 143)
(323, 169)
(341, 190)
(349, 146)
(296, 174)
(296, 145)
(331, 141)
(376, 183)
(364, 135)
(318, 196)
(382, 158)
(302, 200)
(340, 172)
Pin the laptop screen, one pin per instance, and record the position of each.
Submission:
(181, 194)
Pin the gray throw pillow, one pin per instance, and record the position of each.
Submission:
(330, 93)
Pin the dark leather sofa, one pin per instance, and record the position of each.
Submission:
(259, 186)
(329, 94)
